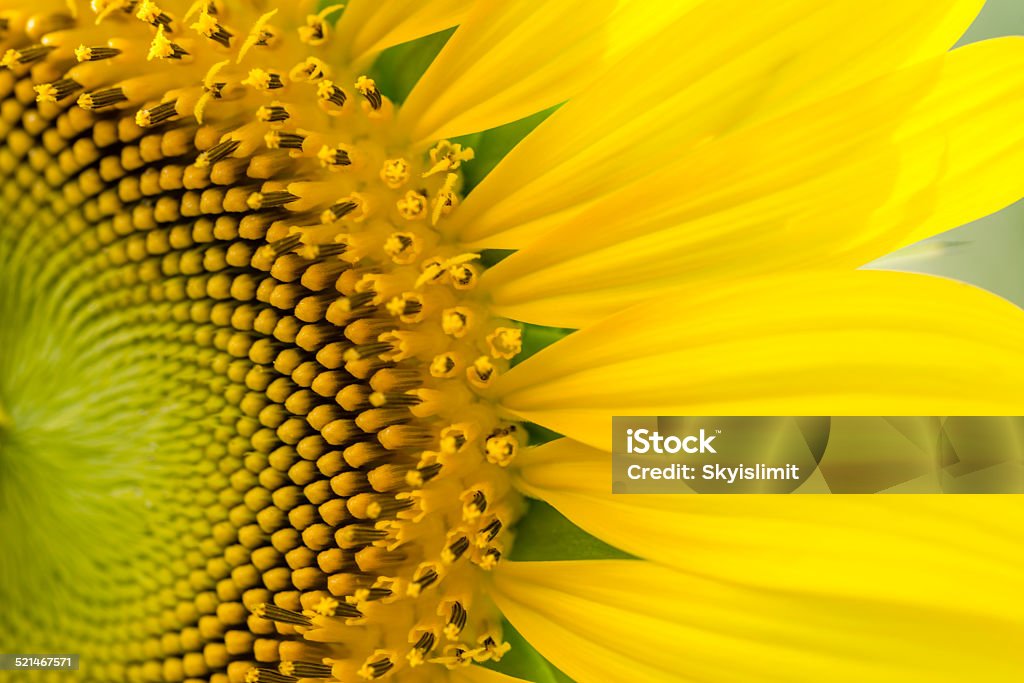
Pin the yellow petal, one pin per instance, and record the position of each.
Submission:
(478, 674)
(841, 183)
(512, 58)
(715, 535)
(370, 26)
(977, 165)
(723, 66)
(855, 343)
(622, 620)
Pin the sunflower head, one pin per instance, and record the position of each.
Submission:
(268, 366)
(255, 326)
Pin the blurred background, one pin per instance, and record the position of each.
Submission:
(987, 253)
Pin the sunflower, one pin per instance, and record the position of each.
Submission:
(284, 351)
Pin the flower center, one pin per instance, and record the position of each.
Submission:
(234, 240)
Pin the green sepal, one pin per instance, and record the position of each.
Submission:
(538, 435)
(544, 534)
(538, 337)
(492, 145)
(397, 69)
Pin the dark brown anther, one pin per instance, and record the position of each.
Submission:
(273, 113)
(213, 30)
(279, 614)
(95, 54)
(335, 156)
(338, 211)
(262, 675)
(329, 92)
(219, 151)
(428, 472)
(102, 98)
(426, 642)
(380, 666)
(491, 530)
(58, 90)
(154, 16)
(457, 617)
(368, 89)
(457, 548)
(26, 55)
(165, 111)
(270, 200)
(278, 140)
(307, 669)
(285, 244)
(478, 501)
(427, 578)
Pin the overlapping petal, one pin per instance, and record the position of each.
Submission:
(861, 342)
(369, 26)
(838, 183)
(478, 674)
(864, 547)
(722, 66)
(622, 620)
(510, 59)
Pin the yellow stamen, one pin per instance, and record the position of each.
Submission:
(150, 13)
(263, 81)
(395, 172)
(447, 156)
(163, 48)
(412, 206)
(368, 89)
(259, 35)
(505, 342)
